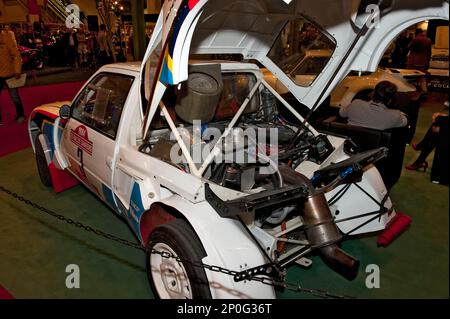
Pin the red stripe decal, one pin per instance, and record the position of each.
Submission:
(192, 3)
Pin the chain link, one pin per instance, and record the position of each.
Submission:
(264, 280)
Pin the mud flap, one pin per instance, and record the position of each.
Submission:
(396, 226)
(61, 180)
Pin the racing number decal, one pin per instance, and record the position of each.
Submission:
(80, 157)
(79, 137)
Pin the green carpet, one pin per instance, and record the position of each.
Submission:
(35, 249)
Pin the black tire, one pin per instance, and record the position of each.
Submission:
(38, 63)
(42, 167)
(179, 236)
(364, 95)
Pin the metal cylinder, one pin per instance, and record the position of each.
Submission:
(321, 229)
(323, 234)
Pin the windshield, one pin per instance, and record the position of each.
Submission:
(302, 49)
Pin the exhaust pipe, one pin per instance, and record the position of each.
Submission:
(323, 234)
(321, 229)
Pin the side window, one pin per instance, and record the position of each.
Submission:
(101, 102)
(236, 87)
(302, 50)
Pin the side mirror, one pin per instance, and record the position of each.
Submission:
(64, 112)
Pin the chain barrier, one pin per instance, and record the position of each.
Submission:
(264, 280)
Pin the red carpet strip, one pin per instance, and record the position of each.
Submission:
(4, 294)
(14, 137)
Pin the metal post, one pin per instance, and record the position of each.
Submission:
(137, 14)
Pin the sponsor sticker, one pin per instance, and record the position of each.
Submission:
(79, 137)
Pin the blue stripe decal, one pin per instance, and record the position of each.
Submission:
(108, 195)
(166, 74)
(47, 130)
(134, 214)
(136, 209)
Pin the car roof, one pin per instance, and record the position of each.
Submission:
(129, 66)
(136, 65)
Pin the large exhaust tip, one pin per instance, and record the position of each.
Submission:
(341, 262)
(321, 230)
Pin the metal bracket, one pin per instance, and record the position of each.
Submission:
(251, 203)
(304, 262)
(271, 269)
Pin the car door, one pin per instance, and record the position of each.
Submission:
(89, 139)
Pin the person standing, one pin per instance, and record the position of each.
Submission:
(429, 142)
(92, 49)
(27, 38)
(419, 52)
(70, 41)
(420, 55)
(103, 45)
(82, 46)
(400, 53)
(10, 65)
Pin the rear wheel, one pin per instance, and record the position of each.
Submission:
(41, 162)
(38, 62)
(169, 278)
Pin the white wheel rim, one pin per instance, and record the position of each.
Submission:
(169, 276)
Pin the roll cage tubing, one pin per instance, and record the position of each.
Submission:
(172, 16)
(216, 149)
(193, 169)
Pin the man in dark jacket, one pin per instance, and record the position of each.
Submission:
(70, 44)
(420, 55)
(419, 52)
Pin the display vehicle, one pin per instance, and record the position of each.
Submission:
(208, 163)
(356, 85)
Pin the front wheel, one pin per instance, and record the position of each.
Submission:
(169, 278)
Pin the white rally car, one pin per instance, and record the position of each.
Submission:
(208, 163)
(356, 85)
